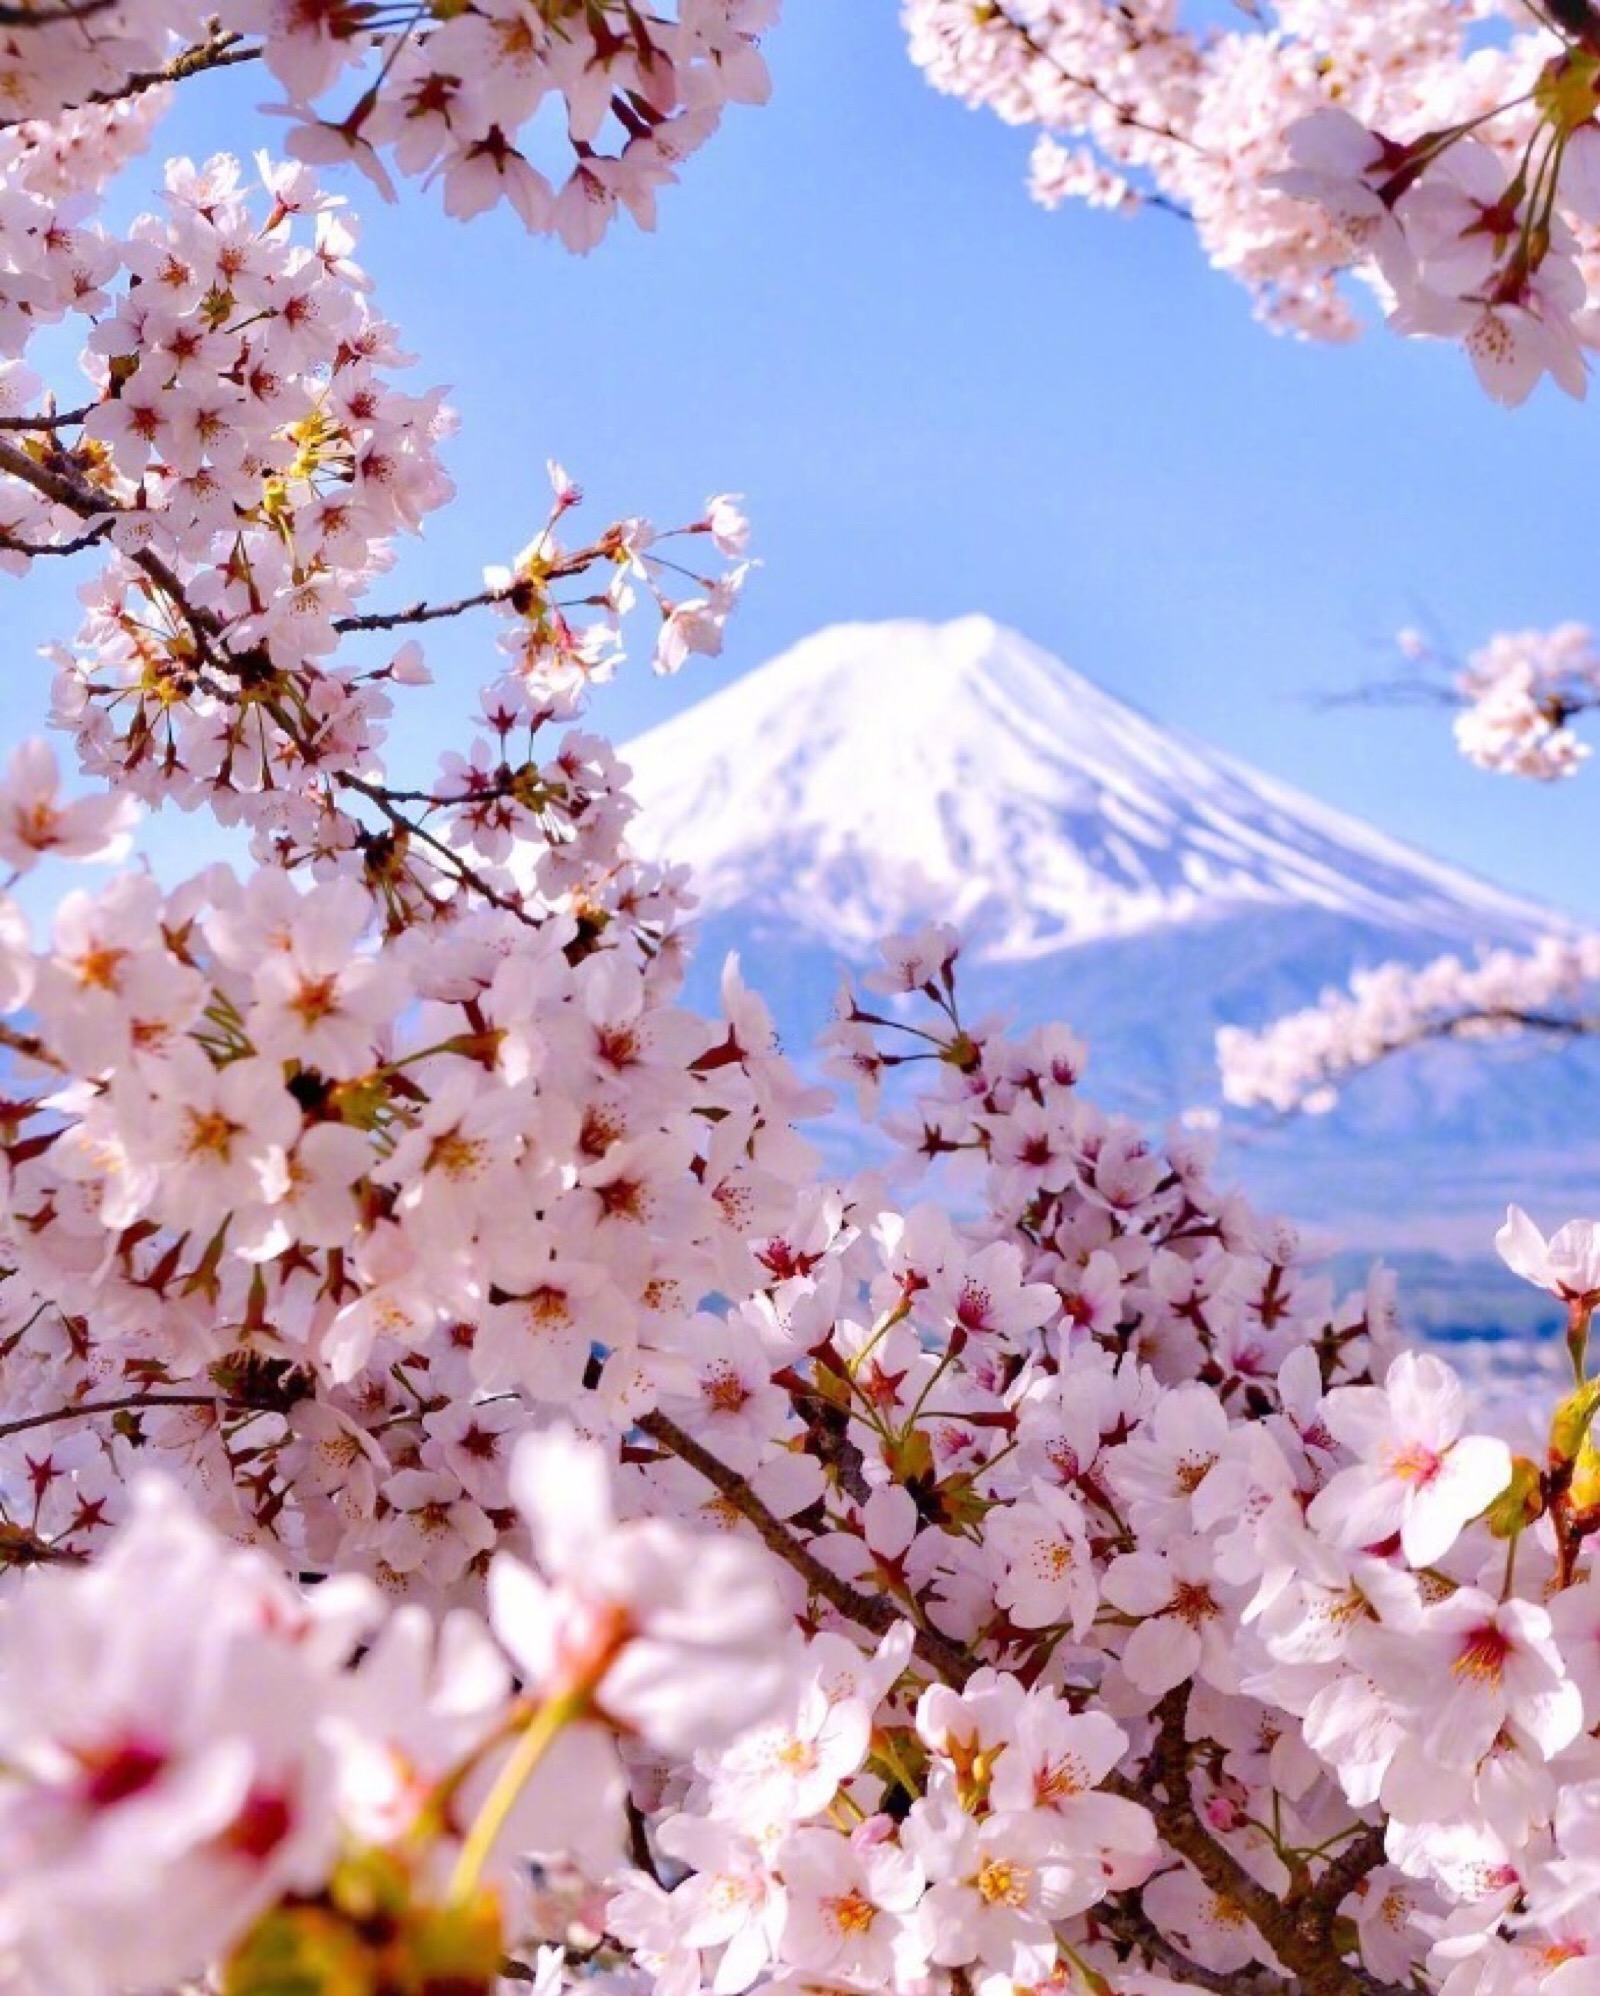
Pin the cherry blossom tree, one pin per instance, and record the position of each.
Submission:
(480, 1504)
(1444, 154)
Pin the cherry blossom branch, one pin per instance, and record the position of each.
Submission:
(874, 1612)
(71, 494)
(1301, 1058)
(1342, 1874)
(1087, 84)
(1496, 1017)
(129, 1402)
(1514, 697)
(30, 1046)
(1123, 1917)
(221, 50)
(420, 613)
(1301, 1936)
(452, 864)
(91, 537)
(520, 592)
(77, 498)
(54, 420)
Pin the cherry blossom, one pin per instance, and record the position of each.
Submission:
(1417, 1475)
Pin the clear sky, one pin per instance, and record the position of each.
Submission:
(937, 398)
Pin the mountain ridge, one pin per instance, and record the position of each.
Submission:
(959, 772)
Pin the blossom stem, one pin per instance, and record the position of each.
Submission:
(550, 1719)
(1579, 1312)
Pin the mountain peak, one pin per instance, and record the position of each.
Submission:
(880, 774)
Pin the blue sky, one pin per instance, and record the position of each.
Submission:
(938, 398)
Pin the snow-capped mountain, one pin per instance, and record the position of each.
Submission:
(1111, 873)
(877, 773)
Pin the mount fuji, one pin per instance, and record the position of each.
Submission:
(1113, 874)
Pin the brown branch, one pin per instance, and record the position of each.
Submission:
(454, 867)
(58, 1415)
(220, 50)
(53, 485)
(30, 1046)
(874, 1612)
(13, 544)
(1564, 1025)
(519, 593)
(1343, 1874)
(1125, 1919)
(1301, 1936)
(420, 613)
(44, 17)
(59, 420)
(77, 498)
(1462, 1025)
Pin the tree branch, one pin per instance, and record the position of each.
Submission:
(1343, 1874)
(1125, 1919)
(420, 613)
(873, 1612)
(220, 50)
(58, 1415)
(58, 420)
(77, 498)
(91, 537)
(30, 1046)
(44, 17)
(1090, 88)
(1301, 1936)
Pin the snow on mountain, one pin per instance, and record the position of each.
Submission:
(1108, 872)
(881, 773)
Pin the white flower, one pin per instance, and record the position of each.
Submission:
(681, 1638)
(1568, 1264)
(1418, 1476)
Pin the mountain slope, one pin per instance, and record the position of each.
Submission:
(1107, 872)
(878, 773)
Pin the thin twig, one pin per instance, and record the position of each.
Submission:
(220, 50)
(91, 537)
(30, 1046)
(419, 613)
(58, 1415)
(1124, 115)
(77, 498)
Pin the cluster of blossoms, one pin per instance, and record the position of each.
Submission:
(245, 463)
(610, 94)
(1073, 1595)
(1448, 152)
(1520, 693)
(205, 1761)
(1299, 1061)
